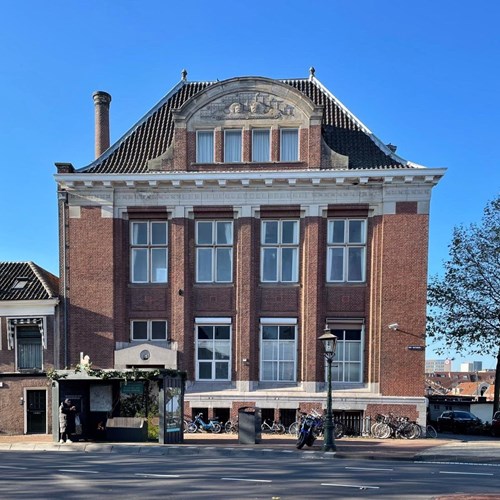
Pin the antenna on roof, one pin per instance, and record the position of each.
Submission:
(184, 75)
(312, 71)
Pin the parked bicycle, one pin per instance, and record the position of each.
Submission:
(231, 427)
(398, 427)
(198, 424)
(275, 428)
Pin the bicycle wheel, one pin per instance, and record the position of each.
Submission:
(192, 428)
(264, 428)
(415, 431)
(382, 431)
(430, 432)
(216, 428)
(229, 427)
(294, 428)
(338, 430)
(280, 429)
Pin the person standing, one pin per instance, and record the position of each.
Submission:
(67, 413)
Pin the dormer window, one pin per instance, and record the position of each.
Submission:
(20, 283)
(289, 144)
(261, 150)
(205, 146)
(232, 146)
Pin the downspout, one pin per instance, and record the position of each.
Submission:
(63, 198)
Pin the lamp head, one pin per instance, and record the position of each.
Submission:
(393, 327)
(329, 341)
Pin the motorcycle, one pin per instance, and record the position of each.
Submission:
(198, 424)
(310, 426)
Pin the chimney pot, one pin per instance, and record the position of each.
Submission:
(101, 105)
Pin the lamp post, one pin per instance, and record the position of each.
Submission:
(330, 344)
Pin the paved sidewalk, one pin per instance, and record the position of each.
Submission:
(448, 448)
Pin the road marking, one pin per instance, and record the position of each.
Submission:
(158, 475)
(246, 480)
(474, 464)
(80, 471)
(357, 486)
(368, 468)
(467, 473)
(12, 467)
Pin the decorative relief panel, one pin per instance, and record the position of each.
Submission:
(249, 106)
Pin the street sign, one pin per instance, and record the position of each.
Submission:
(416, 347)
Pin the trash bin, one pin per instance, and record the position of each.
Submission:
(249, 422)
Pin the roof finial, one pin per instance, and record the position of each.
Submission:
(184, 75)
(312, 71)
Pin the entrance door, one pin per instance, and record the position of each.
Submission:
(36, 412)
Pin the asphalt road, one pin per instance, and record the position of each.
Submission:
(53, 475)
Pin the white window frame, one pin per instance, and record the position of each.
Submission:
(213, 322)
(233, 131)
(214, 246)
(278, 322)
(345, 246)
(282, 149)
(150, 248)
(279, 246)
(149, 335)
(339, 361)
(268, 130)
(198, 152)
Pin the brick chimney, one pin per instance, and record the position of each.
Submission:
(101, 104)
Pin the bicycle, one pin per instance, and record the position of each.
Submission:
(276, 428)
(398, 427)
(430, 431)
(231, 427)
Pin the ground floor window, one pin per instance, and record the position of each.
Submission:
(278, 350)
(213, 349)
(347, 365)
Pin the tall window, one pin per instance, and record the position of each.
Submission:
(289, 144)
(148, 330)
(278, 353)
(280, 251)
(214, 251)
(346, 250)
(232, 146)
(148, 251)
(205, 146)
(348, 361)
(261, 145)
(29, 348)
(213, 349)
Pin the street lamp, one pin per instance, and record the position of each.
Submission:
(330, 344)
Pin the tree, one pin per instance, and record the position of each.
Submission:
(464, 304)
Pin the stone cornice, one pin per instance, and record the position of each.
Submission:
(262, 179)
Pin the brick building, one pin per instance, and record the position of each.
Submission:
(227, 227)
(29, 344)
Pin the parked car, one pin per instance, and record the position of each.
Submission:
(460, 422)
(495, 424)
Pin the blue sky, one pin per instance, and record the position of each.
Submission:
(421, 75)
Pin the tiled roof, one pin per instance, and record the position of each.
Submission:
(152, 135)
(26, 281)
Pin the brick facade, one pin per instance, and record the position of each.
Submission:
(393, 204)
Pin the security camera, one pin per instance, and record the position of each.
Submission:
(393, 326)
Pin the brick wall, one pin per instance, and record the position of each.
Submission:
(91, 287)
